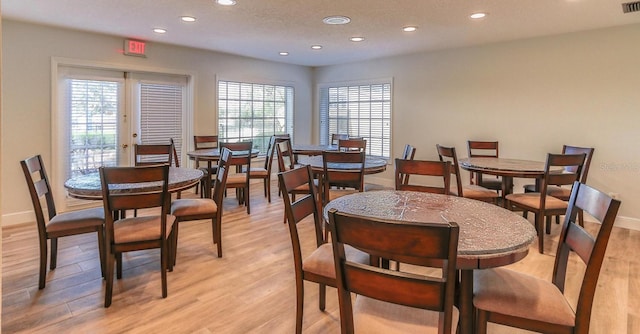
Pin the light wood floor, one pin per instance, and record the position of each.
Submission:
(250, 290)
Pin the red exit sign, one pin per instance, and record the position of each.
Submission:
(134, 48)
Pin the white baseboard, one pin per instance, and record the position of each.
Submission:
(18, 218)
(628, 223)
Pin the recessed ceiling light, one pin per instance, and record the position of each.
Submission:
(226, 2)
(409, 28)
(159, 30)
(477, 15)
(316, 47)
(284, 53)
(188, 18)
(356, 39)
(336, 19)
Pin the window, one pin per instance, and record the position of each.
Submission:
(161, 113)
(93, 108)
(255, 112)
(362, 110)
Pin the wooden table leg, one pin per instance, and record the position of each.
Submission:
(466, 302)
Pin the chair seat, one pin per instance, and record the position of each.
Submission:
(475, 192)
(256, 171)
(532, 200)
(375, 316)
(237, 179)
(193, 207)
(135, 229)
(491, 183)
(513, 293)
(88, 218)
(336, 193)
(320, 262)
(555, 191)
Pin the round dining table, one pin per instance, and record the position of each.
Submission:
(307, 149)
(490, 236)
(372, 165)
(88, 186)
(213, 154)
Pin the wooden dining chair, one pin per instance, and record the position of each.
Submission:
(204, 208)
(408, 153)
(241, 158)
(201, 143)
(264, 173)
(484, 149)
(316, 266)
(519, 300)
(352, 144)
(390, 301)
(564, 193)
(57, 225)
(469, 191)
(540, 203)
(153, 154)
(342, 173)
(423, 168)
(135, 233)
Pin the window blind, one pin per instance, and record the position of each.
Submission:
(161, 111)
(362, 110)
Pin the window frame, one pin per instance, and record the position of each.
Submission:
(289, 105)
(324, 117)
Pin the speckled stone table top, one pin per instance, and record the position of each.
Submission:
(214, 154)
(371, 165)
(486, 230)
(88, 186)
(312, 149)
(505, 167)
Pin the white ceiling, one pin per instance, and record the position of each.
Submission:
(263, 28)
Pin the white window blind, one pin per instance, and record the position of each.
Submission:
(93, 130)
(161, 113)
(253, 111)
(359, 111)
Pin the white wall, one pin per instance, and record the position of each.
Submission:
(26, 91)
(532, 95)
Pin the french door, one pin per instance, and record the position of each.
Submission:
(103, 113)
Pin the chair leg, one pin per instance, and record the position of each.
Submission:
(481, 322)
(299, 306)
(581, 218)
(174, 241)
(163, 267)
(54, 253)
(119, 265)
(547, 224)
(217, 238)
(540, 230)
(246, 199)
(108, 290)
(101, 250)
(322, 297)
(43, 264)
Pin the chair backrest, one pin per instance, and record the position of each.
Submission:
(284, 152)
(408, 154)
(39, 186)
(304, 206)
(117, 201)
(352, 144)
(449, 154)
(572, 167)
(335, 137)
(343, 169)
(482, 149)
(153, 154)
(566, 149)
(202, 142)
(268, 159)
(590, 250)
(239, 158)
(220, 181)
(423, 168)
(424, 244)
(176, 159)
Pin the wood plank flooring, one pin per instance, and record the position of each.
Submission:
(249, 290)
